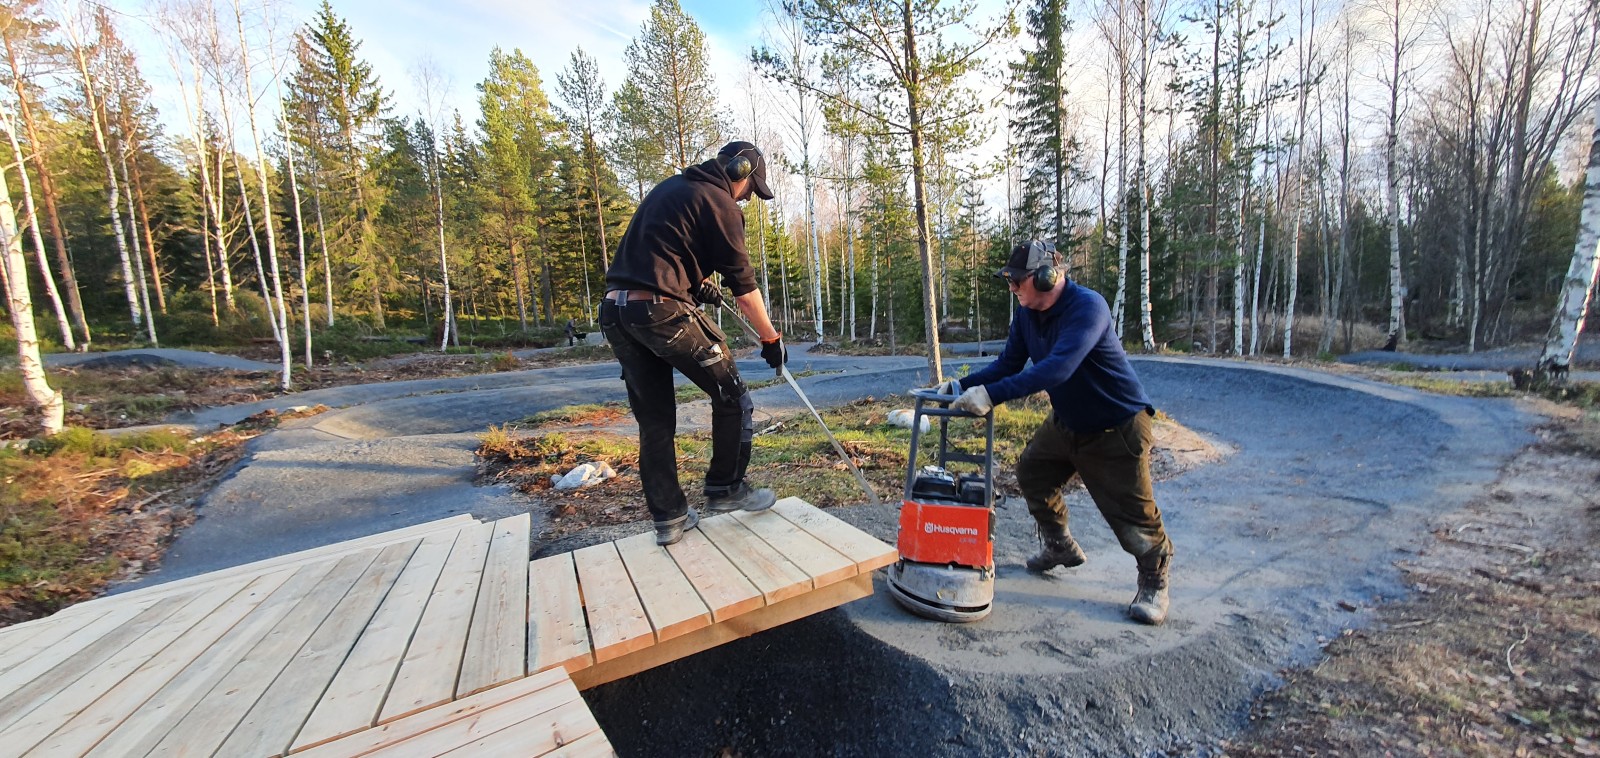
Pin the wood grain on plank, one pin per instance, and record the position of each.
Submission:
(467, 708)
(776, 576)
(617, 621)
(558, 634)
(270, 726)
(723, 587)
(670, 600)
(19, 701)
(151, 699)
(824, 564)
(534, 735)
(220, 695)
(867, 551)
(464, 732)
(497, 643)
(356, 693)
(103, 678)
(427, 676)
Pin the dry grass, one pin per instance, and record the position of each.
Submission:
(791, 455)
(1496, 652)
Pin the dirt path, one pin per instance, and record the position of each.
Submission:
(1332, 481)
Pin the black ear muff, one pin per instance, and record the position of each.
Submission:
(1045, 278)
(738, 167)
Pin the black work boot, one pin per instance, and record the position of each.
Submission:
(1150, 605)
(741, 498)
(1059, 549)
(669, 532)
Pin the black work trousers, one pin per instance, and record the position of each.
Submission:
(650, 339)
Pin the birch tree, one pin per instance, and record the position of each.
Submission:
(1577, 289)
(20, 304)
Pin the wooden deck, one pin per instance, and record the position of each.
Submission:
(442, 638)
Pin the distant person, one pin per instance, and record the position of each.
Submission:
(572, 333)
(1099, 428)
(687, 228)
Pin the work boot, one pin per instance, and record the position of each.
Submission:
(1150, 605)
(741, 498)
(1059, 549)
(669, 532)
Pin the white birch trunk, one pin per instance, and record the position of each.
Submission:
(20, 304)
(67, 339)
(1577, 291)
(138, 254)
(1142, 170)
(285, 351)
(113, 192)
(1118, 316)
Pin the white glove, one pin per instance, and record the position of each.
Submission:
(974, 401)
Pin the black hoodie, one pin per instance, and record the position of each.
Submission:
(686, 228)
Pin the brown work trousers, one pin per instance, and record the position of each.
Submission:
(1115, 467)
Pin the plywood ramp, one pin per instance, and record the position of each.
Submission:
(440, 639)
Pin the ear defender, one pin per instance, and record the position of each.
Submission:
(738, 167)
(1046, 277)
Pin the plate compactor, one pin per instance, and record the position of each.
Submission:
(946, 566)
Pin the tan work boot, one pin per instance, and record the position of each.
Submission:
(1150, 605)
(1059, 550)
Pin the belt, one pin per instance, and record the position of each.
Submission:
(628, 296)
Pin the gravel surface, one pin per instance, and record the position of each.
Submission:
(1329, 481)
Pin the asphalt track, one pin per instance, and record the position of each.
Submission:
(1330, 480)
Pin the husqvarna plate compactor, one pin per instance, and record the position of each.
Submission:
(946, 566)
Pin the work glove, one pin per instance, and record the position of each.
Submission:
(774, 353)
(974, 401)
(708, 293)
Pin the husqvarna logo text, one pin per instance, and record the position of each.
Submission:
(932, 528)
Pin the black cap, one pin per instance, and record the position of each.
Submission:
(1027, 257)
(758, 174)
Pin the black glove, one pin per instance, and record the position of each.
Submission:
(774, 353)
(708, 293)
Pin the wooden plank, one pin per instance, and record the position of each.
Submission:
(197, 710)
(617, 622)
(824, 564)
(592, 745)
(670, 600)
(177, 676)
(19, 701)
(69, 645)
(775, 576)
(558, 635)
(335, 550)
(356, 693)
(497, 642)
(557, 698)
(744, 625)
(722, 587)
(34, 726)
(867, 551)
(468, 708)
(271, 724)
(427, 676)
(536, 735)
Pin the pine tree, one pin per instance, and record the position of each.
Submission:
(670, 98)
(1050, 152)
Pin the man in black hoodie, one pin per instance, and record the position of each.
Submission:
(689, 227)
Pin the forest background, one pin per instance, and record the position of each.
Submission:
(1286, 177)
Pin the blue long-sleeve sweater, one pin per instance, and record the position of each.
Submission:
(1076, 359)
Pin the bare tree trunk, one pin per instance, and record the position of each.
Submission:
(300, 232)
(322, 240)
(47, 187)
(65, 328)
(1391, 160)
(285, 350)
(222, 240)
(91, 102)
(1307, 36)
(1577, 290)
(1118, 315)
(1142, 172)
(138, 255)
(20, 304)
(919, 189)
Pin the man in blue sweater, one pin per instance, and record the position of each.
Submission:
(1099, 428)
